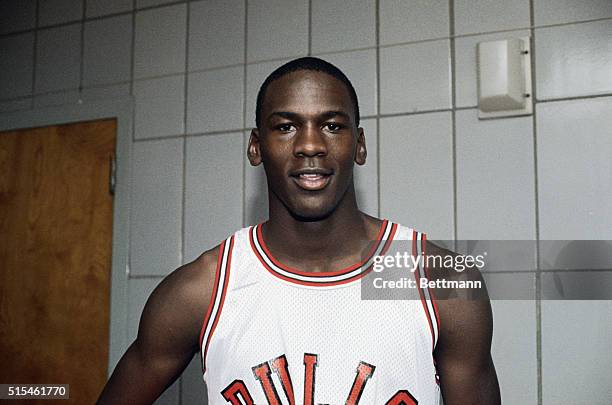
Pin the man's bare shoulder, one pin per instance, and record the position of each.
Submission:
(464, 309)
(192, 282)
(179, 303)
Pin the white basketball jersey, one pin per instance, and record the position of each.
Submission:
(276, 335)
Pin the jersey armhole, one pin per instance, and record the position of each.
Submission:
(215, 306)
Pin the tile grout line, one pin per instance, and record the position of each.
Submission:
(244, 110)
(184, 160)
(309, 27)
(453, 82)
(82, 48)
(133, 69)
(184, 134)
(572, 98)
(538, 276)
(378, 137)
(133, 128)
(34, 53)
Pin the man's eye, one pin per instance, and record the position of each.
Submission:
(333, 127)
(285, 127)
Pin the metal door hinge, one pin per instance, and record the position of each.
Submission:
(112, 175)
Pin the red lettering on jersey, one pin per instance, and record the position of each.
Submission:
(237, 393)
(310, 364)
(364, 372)
(262, 373)
(236, 388)
(280, 368)
(402, 398)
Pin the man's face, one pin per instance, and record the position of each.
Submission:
(308, 142)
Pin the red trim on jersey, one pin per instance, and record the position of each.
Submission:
(417, 276)
(322, 273)
(433, 301)
(223, 293)
(431, 294)
(320, 276)
(214, 293)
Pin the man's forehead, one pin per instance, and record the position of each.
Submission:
(310, 90)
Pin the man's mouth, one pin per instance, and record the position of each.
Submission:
(312, 179)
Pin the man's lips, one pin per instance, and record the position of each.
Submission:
(312, 179)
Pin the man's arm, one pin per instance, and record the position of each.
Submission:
(168, 335)
(463, 353)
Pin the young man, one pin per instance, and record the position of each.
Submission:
(275, 310)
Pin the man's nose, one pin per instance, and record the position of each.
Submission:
(310, 142)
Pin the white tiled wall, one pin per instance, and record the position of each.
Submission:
(16, 82)
(194, 68)
(107, 49)
(415, 77)
(477, 16)
(157, 171)
(277, 29)
(416, 173)
(408, 21)
(17, 15)
(58, 58)
(495, 178)
(52, 12)
(576, 352)
(574, 60)
(160, 107)
(575, 168)
(212, 208)
(97, 8)
(215, 100)
(159, 43)
(216, 33)
(336, 27)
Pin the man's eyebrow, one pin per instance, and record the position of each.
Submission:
(294, 116)
(284, 114)
(331, 114)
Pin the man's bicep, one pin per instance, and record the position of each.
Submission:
(463, 356)
(168, 326)
(167, 337)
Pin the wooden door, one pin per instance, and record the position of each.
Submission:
(55, 256)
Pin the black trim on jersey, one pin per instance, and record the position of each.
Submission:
(314, 376)
(385, 235)
(246, 401)
(403, 403)
(276, 371)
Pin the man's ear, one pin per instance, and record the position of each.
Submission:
(360, 152)
(253, 150)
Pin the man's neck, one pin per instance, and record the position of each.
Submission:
(341, 237)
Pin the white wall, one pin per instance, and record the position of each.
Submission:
(194, 68)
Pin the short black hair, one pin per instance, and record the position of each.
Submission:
(305, 63)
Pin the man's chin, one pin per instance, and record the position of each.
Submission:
(311, 213)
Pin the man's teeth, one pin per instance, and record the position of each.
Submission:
(311, 176)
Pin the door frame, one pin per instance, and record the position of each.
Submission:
(122, 110)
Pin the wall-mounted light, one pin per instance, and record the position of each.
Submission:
(504, 78)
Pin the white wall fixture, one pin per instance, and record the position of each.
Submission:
(504, 78)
